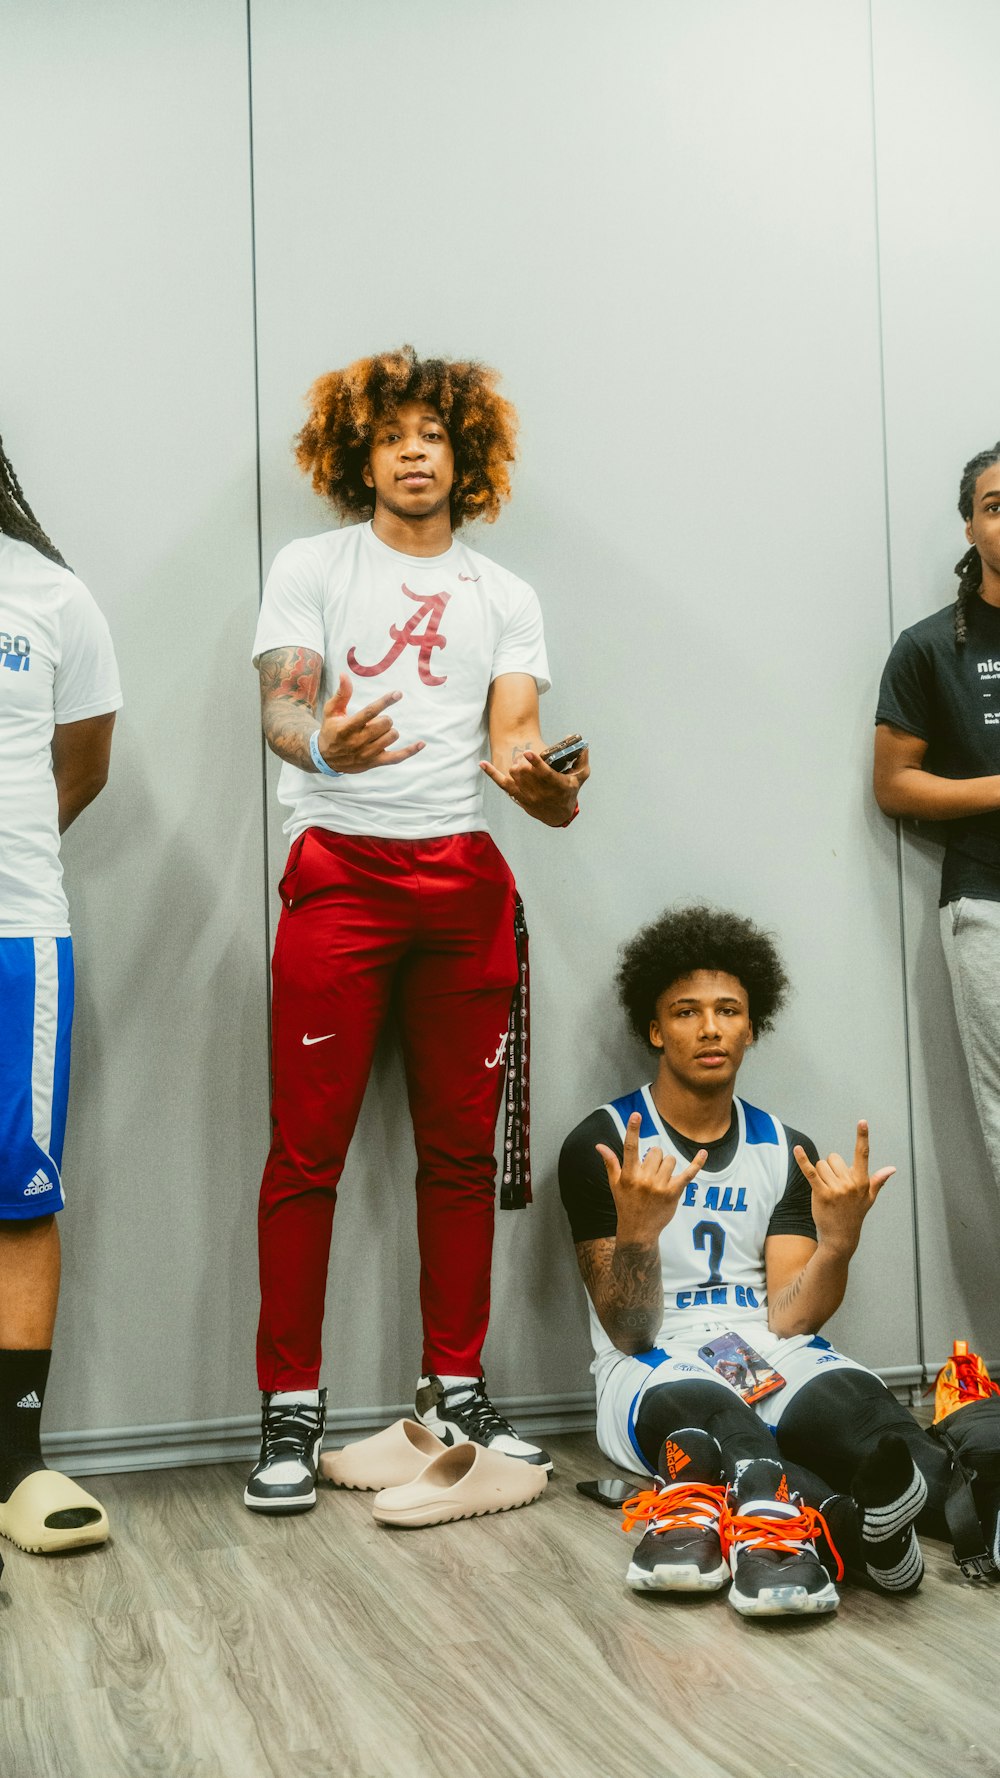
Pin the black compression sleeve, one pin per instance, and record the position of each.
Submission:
(792, 1214)
(583, 1180)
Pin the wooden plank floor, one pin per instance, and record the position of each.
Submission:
(205, 1643)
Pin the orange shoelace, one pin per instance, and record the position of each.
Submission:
(685, 1503)
(974, 1383)
(761, 1533)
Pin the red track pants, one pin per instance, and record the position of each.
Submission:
(432, 922)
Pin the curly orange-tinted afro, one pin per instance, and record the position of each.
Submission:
(346, 405)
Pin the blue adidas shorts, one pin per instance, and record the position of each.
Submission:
(36, 1016)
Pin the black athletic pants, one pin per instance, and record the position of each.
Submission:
(829, 1427)
(838, 1418)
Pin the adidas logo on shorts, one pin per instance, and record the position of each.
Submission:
(40, 1183)
(29, 1401)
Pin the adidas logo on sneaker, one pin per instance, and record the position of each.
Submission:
(677, 1458)
(30, 1400)
(40, 1183)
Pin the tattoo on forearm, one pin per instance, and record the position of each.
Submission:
(626, 1285)
(786, 1297)
(290, 680)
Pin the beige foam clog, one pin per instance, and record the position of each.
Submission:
(462, 1483)
(386, 1460)
(48, 1512)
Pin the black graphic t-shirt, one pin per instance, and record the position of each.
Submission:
(950, 698)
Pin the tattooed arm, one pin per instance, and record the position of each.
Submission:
(806, 1281)
(515, 745)
(801, 1293)
(623, 1275)
(513, 719)
(290, 680)
(624, 1284)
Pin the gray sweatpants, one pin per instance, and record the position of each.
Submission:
(970, 935)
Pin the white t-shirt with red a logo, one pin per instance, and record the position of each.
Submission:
(439, 629)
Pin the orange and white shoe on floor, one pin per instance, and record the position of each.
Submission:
(386, 1460)
(462, 1483)
(961, 1380)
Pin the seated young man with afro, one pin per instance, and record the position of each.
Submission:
(714, 1244)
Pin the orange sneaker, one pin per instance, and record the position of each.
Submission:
(963, 1379)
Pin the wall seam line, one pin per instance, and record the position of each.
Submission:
(259, 504)
(901, 899)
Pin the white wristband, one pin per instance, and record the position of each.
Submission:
(317, 758)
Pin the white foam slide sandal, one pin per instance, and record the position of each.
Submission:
(386, 1460)
(461, 1483)
(48, 1512)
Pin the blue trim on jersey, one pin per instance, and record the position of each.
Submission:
(653, 1358)
(30, 1185)
(760, 1125)
(631, 1102)
(818, 1341)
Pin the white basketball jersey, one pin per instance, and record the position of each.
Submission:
(712, 1250)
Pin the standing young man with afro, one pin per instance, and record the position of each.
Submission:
(714, 1244)
(389, 653)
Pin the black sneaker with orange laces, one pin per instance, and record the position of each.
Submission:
(681, 1551)
(770, 1540)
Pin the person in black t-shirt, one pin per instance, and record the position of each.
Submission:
(709, 1234)
(937, 758)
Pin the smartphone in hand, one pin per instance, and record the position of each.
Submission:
(566, 754)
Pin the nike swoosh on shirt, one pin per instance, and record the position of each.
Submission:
(325, 1039)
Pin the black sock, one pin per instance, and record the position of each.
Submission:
(23, 1376)
(890, 1491)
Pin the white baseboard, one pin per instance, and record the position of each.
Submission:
(907, 1382)
(111, 1451)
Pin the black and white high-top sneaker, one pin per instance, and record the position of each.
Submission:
(291, 1438)
(770, 1539)
(465, 1414)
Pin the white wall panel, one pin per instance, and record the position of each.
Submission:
(935, 83)
(128, 410)
(660, 222)
(658, 219)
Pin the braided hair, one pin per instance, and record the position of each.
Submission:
(970, 568)
(16, 517)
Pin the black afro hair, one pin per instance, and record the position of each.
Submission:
(689, 938)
